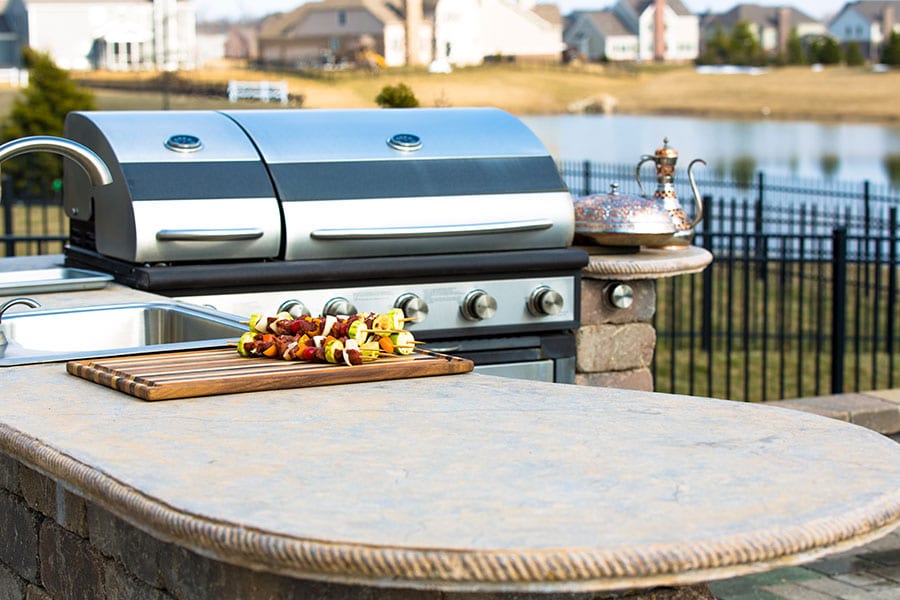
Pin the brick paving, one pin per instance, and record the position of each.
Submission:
(871, 572)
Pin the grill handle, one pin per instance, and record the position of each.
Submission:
(208, 235)
(366, 233)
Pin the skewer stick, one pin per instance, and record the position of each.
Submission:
(244, 322)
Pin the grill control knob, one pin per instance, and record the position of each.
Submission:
(295, 308)
(339, 307)
(413, 307)
(478, 305)
(544, 301)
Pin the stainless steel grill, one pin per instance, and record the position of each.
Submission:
(459, 216)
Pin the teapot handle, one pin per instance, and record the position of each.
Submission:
(698, 203)
(637, 170)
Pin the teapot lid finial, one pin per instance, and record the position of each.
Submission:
(666, 151)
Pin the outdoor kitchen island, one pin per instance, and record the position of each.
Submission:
(424, 487)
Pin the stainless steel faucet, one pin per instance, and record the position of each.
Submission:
(83, 156)
(29, 302)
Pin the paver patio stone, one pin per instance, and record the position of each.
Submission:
(794, 591)
(734, 588)
(842, 565)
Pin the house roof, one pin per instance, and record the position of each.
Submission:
(606, 22)
(677, 6)
(873, 11)
(383, 10)
(549, 13)
(760, 15)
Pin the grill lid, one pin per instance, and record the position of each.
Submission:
(187, 185)
(201, 185)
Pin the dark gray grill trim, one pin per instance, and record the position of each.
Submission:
(197, 180)
(415, 178)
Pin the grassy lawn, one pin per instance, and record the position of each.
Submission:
(835, 94)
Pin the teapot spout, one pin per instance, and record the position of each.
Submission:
(698, 202)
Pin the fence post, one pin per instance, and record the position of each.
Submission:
(758, 225)
(6, 200)
(707, 310)
(892, 293)
(587, 177)
(838, 308)
(867, 209)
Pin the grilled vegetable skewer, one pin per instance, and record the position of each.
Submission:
(351, 340)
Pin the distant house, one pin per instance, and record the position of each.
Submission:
(469, 31)
(332, 30)
(241, 42)
(770, 25)
(222, 40)
(867, 23)
(122, 35)
(636, 30)
(601, 35)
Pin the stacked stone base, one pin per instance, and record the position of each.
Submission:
(615, 346)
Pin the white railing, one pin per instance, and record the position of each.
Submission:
(265, 91)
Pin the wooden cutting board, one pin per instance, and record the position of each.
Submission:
(186, 374)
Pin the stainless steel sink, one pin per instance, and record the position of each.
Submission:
(38, 336)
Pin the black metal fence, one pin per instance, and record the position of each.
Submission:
(31, 225)
(800, 300)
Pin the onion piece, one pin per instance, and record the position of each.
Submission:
(330, 320)
(287, 351)
(350, 345)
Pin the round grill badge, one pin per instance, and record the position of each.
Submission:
(184, 142)
(405, 142)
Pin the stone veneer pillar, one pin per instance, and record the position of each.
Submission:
(614, 346)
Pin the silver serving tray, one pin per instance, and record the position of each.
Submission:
(61, 279)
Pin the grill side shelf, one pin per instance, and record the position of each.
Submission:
(188, 374)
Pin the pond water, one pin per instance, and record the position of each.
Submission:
(838, 151)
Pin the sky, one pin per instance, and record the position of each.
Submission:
(238, 9)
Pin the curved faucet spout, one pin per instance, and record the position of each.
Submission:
(29, 302)
(92, 164)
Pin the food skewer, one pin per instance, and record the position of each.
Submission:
(353, 339)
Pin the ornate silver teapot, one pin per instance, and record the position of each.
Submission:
(656, 221)
(665, 159)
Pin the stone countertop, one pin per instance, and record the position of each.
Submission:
(649, 263)
(464, 481)
(461, 482)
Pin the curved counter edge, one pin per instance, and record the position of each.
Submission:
(649, 263)
(555, 570)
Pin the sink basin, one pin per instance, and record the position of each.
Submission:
(38, 336)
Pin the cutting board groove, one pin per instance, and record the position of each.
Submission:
(187, 374)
